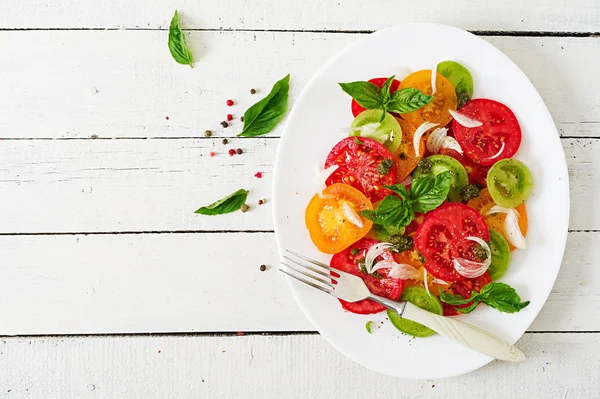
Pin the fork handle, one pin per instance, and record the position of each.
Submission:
(465, 334)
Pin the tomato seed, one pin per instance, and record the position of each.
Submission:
(229, 117)
(258, 175)
(229, 103)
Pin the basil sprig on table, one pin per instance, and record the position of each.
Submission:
(497, 295)
(263, 116)
(426, 194)
(402, 101)
(229, 204)
(177, 44)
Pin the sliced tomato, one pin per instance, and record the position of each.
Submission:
(358, 159)
(498, 138)
(405, 157)
(441, 238)
(437, 110)
(357, 108)
(495, 221)
(329, 227)
(465, 288)
(477, 173)
(386, 286)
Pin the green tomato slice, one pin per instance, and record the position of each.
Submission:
(388, 132)
(440, 164)
(509, 182)
(418, 296)
(500, 255)
(461, 79)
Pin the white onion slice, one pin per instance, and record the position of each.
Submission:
(512, 230)
(464, 120)
(434, 80)
(407, 181)
(436, 139)
(497, 154)
(351, 215)
(400, 271)
(421, 130)
(373, 253)
(472, 269)
(425, 282)
(450, 142)
(440, 281)
(321, 178)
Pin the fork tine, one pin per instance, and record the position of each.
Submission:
(322, 273)
(314, 262)
(319, 279)
(325, 290)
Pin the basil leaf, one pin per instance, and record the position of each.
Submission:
(400, 190)
(392, 211)
(384, 92)
(454, 299)
(177, 44)
(366, 94)
(430, 195)
(263, 116)
(407, 100)
(499, 296)
(229, 204)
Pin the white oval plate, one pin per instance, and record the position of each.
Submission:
(315, 125)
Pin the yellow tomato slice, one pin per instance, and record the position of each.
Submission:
(330, 229)
(443, 100)
(484, 203)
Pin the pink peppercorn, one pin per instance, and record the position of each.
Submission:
(212, 153)
(260, 202)
(258, 175)
(231, 152)
(229, 117)
(229, 103)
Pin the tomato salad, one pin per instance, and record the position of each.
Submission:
(423, 199)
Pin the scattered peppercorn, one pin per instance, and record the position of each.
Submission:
(224, 124)
(252, 91)
(229, 117)
(166, 117)
(263, 268)
(207, 133)
(224, 141)
(231, 152)
(242, 118)
(229, 103)
(212, 154)
(239, 333)
(239, 151)
(258, 175)
(260, 202)
(244, 208)
(469, 192)
(94, 136)
(403, 155)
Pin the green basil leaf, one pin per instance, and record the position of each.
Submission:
(502, 297)
(431, 196)
(454, 299)
(422, 185)
(384, 92)
(229, 204)
(407, 100)
(366, 94)
(392, 211)
(469, 308)
(400, 190)
(177, 44)
(263, 116)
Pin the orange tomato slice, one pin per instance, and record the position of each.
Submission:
(443, 100)
(330, 230)
(411, 257)
(484, 203)
(405, 158)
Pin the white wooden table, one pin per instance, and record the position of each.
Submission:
(110, 287)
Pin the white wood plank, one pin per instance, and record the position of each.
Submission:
(537, 15)
(156, 185)
(263, 367)
(61, 84)
(202, 283)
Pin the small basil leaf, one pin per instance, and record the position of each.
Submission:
(502, 297)
(469, 308)
(407, 100)
(384, 92)
(177, 44)
(392, 211)
(229, 204)
(263, 116)
(400, 190)
(435, 195)
(366, 94)
(454, 299)
(422, 185)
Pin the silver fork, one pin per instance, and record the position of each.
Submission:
(351, 288)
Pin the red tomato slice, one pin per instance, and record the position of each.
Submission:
(465, 288)
(386, 286)
(358, 166)
(357, 108)
(500, 126)
(441, 238)
(477, 173)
